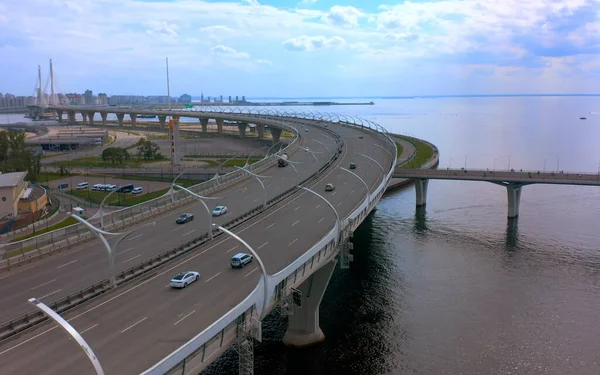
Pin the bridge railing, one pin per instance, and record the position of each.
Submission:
(17, 251)
(254, 300)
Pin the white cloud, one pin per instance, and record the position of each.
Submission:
(311, 43)
(229, 52)
(346, 16)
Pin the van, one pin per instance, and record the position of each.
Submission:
(82, 185)
(126, 188)
(240, 260)
(97, 187)
(137, 190)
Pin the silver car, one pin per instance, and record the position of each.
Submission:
(183, 279)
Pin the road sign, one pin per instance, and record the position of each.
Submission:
(73, 103)
(189, 106)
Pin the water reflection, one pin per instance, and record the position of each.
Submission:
(512, 234)
(420, 220)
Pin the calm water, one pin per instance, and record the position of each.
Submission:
(455, 290)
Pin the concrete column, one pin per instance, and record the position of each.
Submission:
(91, 117)
(260, 128)
(421, 188)
(59, 115)
(133, 117)
(162, 119)
(71, 116)
(303, 328)
(219, 126)
(242, 127)
(104, 116)
(275, 134)
(120, 117)
(204, 123)
(84, 117)
(514, 200)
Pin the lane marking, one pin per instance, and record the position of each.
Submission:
(261, 246)
(124, 251)
(134, 324)
(49, 294)
(233, 248)
(291, 243)
(66, 264)
(297, 221)
(185, 316)
(345, 182)
(87, 329)
(334, 193)
(318, 205)
(134, 237)
(255, 200)
(319, 222)
(340, 203)
(352, 192)
(176, 229)
(297, 208)
(44, 284)
(130, 259)
(249, 273)
(210, 278)
(190, 232)
(271, 226)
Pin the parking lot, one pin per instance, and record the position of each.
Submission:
(148, 186)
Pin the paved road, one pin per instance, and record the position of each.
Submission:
(69, 271)
(133, 328)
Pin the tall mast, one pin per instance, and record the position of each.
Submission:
(52, 98)
(40, 91)
(168, 86)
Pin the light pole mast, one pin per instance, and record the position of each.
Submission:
(52, 101)
(168, 87)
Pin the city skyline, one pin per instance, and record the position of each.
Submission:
(276, 48)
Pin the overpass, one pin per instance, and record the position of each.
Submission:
(512, 180)
(144, 326)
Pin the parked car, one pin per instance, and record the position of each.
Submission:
(329, 187)
(183, 279)
(63, 186)
(137, 190)
(360, 137)
(82, 185)
(184, 218)
(352, 166)
(219, 210)
(98, 187)
(239, 260)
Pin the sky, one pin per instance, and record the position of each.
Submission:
(302, 48)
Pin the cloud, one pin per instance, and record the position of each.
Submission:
(162, 28)
(346, 16)
(311, 43)
(225, 51)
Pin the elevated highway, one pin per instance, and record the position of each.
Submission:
(148, 326)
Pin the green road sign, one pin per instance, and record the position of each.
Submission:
(189, 106)
(73, 103)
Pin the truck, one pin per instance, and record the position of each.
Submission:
(282, 162)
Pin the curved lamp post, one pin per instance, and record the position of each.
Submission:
(260, 263)
(373, 160)
(252, 153)
(322, 144)
(201, 199)
(71, 331)
(361, 180)
(311, 152)
(337, 216)
(101, 208)
(259, 181)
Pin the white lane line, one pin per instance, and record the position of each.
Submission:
(190, 232)
(210, 278)
(297, 221)
(49, 294)
(255, 200)
(340, 203)
(318, 205)
(44, 284)
(178, 228)
(249, 273)
(261, 246)
(87, 329)
(334, 193)
(134, 324)
(66, 264)
(130, 259)
(233, 248)
(271, 226)
(185, 316)
(134, 237)
(352, 192)
(321, 219)
(246, 197)
(345, 182)
(297, 208)
(291, 243)
(125, 251)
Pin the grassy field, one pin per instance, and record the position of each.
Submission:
(65, 223)
(423, 154)
(182, 182)
(98, 162)
(117, 199)
(399, 149)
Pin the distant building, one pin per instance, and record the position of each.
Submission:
(185, 98)
(12, 188)
(89, 97)
(102, 99)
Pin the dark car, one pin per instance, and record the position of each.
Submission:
(352, 166)
(184, 218)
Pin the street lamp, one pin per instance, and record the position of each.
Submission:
(71, 331)
(259, 181)
(337, 216)
(253, 152)
(101, 208)
(260, 263)
(374, 161)
(361, 180)
(311, 152)
(322, 144)
(201, 199)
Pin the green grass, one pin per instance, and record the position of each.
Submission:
(117, 199)
(423, 153)
(399, 149)
(98, 162)
(182, 182)
(65, 223)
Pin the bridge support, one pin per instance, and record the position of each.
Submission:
(104, 116)
(120, 117)
(260, 128)
(59, 115)
(219, 126)
(514, 199)
(275, 134)
(84, 117)
(242, 127)
(204, 123)
(133, 117)
(91, 117)
(303, 329)
(162, 120)
(71, 117)
(421, 189)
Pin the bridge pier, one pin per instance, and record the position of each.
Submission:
(84, 116)
(303, 326)
(162, 120)
(421, 189)
(204, 123)
(133, 117)
(120, 118)
(242, 127)
(59, 115)
(71, 117)
(219, 126)
(91, 117)
(104, 116)
(260, 128)
(275, 134)
(514, 199)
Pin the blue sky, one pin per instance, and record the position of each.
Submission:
(303, 47)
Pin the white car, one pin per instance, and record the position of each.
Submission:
(219, 210)
(183, 279)
(137, 190)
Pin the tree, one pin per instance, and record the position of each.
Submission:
(115, 155)
(148, 150)
(17, 156)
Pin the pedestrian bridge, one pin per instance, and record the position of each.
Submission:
(512, 180)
